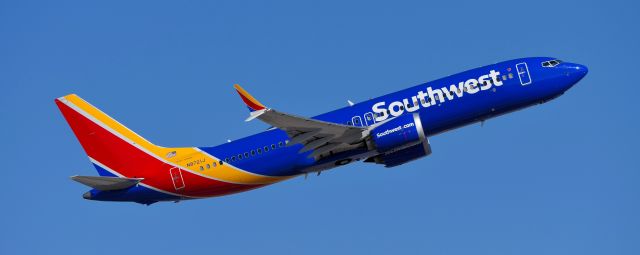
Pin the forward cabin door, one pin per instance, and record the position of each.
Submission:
(523, 73)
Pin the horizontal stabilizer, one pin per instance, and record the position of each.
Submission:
(106, 183)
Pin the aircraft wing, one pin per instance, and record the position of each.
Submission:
(319, 136)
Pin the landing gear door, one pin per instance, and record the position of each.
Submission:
(523, 73)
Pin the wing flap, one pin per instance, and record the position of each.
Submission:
(106, 183)
(303, 136)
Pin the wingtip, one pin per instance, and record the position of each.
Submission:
(250, 101)
(255, 114)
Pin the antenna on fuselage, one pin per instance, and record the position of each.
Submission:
(350, 103)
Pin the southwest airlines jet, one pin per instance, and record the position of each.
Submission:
(390, 130)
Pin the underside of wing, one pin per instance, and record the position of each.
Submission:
(319, 136)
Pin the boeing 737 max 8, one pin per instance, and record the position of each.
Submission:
(390, 130)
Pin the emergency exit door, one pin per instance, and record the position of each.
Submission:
(176, 178)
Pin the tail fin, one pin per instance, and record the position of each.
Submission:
(105, 140)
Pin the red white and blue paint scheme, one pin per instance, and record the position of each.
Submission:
(390, 130)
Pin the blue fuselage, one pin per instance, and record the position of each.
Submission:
(443, 104)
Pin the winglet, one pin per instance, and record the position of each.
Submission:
(250, 101)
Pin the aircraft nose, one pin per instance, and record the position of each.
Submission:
(574, 72)
(580, 70)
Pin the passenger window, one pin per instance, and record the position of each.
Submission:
(280, 144)
(246, 154)
(259, 151)
(214, 164)
(226, 160)
(201, 168)
(253, 152)
(266, 148)
(221, 163)
(233, 158)
(510, 76)
(239, 156)
(208, 166)
(273, 146)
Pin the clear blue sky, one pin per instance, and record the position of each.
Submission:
(560, 178)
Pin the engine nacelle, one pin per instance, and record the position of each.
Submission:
(398, 133)
(405, 155)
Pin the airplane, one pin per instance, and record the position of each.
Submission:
(389, 130)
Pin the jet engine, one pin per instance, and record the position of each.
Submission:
(398, 133)
(399, 141)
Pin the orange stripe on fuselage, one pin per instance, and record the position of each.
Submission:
(129, 161)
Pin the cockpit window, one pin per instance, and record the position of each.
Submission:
(551, 63)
